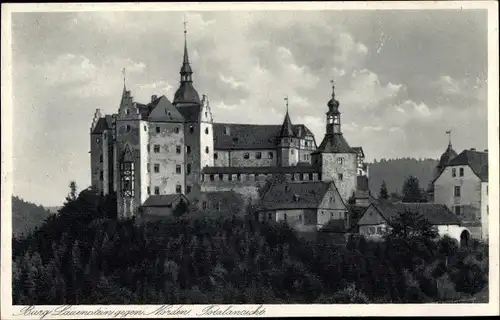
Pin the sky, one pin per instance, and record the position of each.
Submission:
(402, 78)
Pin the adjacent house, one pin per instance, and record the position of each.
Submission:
(306, 206)
(375, 222)
(221, 203)
(462, 186)
(160, 206)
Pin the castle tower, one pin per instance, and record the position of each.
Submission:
(445, 158)
(288, 142)
(337, 160)
(198, 128)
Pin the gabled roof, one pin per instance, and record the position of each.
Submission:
(101, 126)
(251, 136)
(436, 214)
(334, 143)
(476, 160)
(163, 200)
(386, 209)
(359, 150)
(295, 195)
(164, 111)
(261, 170)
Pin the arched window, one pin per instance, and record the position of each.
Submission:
(207, 150)
(206, 130)
(188, 168)
(127, 128)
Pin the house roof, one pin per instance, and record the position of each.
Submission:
(359, 150)
(287, 127)
(164, 111)
(476, 160)
(251, 136)
(295, 195)
(436, 214)
(101, 126)
(262, 170)
(163, 200)
(334, 143)
(446, 157)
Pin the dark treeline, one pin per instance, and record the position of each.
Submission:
(26, 216)
(85, 256)
(395, 171)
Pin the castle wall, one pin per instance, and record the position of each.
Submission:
(192, 159)
(170, 156)
(96, 166)
(331, 170)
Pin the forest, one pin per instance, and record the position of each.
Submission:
(84, 255)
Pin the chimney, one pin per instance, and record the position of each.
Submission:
(154, 97)
(485, 150)
(473, 149)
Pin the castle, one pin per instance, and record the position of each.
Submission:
(165, 148)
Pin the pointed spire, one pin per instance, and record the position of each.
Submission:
(186, 58)
(333, 103)
(449, 138)
(287, 127)
(186, 68)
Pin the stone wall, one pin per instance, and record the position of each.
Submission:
(331, 168)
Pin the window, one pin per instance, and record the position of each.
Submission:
(301, 176)
(178, 169)
(461, 171)
(371, 230)
(218, 206)
(258, 155)
(379, 230)
(176, 130)
(270, 155)
(100, 158)
(178, 188)
(206, 130)
(207, 150)
(246, 155)
(157, 129)
(230, 177)
(226, 130)
(457, 191)
(156, 148)
(188, 189)
(191, 129)
(284, 216)
(332, 199)
(145, 128)
(149, 190)
(340, 160)
(147, 167)
(204, 205)
(310, 176)
(238, 176)
(127, 179)
(300, 217)
(221, 176)
(453, 172)
(101, 175)
(127, 112)
(127, 128)
(270, 216)
(212, 177)
(157, 190)
(457, 210)
(340, 176)
(178, 149)
(188, 168)
(97, 140)
(148, 147)
(157, 168)
(188, 149)
(216, 156)
(306, 143)
(293, 177)
(292, 151)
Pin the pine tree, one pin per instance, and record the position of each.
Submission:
(411, 190)
(383, 194)
(72, 196)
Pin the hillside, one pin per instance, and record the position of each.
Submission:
(26, 216)
(395, 172)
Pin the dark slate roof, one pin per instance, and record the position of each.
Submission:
(446, 157)
(286, 128)
(262, 170)
(186, 94)
(436, 214)
(251, 136)
(386, 209)
(101, 126)
(163, 200)
(334, 143)
(295, 195)
(226, 199)
(476, 160)
(164, 111)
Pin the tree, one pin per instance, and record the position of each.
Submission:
(383, 194)
(352, 199)
(72, 196)
(411, 190)
(180, 209)
(409, 225)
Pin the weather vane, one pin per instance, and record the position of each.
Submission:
(123, 71)
(333, 87)
(185, 24)
(286, 100)
(449, 136)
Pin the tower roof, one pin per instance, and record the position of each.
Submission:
(334, 143)
(333, 104)
(447, 155)
(186, 94)
(286, 127)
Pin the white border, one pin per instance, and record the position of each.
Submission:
(492, 308)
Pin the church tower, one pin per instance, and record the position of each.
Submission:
(336, 159)
(288, 143)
